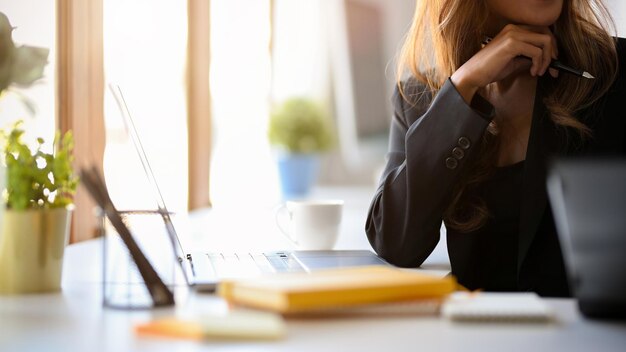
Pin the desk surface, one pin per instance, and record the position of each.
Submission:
(74, 320)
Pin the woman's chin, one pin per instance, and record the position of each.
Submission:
(541, 22)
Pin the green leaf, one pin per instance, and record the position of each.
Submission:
(28, 64)
(38, 179)
(6, 51)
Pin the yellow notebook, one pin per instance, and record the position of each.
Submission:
(334, 288)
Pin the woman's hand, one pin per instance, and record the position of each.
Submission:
(515, 48)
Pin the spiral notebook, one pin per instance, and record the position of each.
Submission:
(495, 306)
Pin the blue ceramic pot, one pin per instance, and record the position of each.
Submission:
(298, 173)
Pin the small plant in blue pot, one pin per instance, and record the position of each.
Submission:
(300, 131)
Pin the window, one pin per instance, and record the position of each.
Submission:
(145, 52)
(242, 169)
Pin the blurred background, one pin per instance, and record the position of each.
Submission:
(201, 79)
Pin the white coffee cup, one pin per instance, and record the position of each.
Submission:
(310, 224)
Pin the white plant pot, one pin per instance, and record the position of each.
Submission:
(32, 243)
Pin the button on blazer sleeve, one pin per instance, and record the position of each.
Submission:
(416, 186)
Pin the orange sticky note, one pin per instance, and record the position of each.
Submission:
(236, 324)
(171, 328)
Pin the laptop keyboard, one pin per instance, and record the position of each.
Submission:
(249, 264)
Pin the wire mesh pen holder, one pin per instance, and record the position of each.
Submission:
(122, 284)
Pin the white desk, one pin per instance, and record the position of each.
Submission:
(74, 320)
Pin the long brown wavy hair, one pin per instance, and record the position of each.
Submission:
(446, 33)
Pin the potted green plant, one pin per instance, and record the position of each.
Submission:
(39, 190)
(36, 187)
(300, 131)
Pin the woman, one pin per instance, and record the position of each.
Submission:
(475, 126)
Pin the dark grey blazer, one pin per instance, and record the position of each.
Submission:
(432, 143)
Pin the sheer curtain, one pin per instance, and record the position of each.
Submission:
(246, 79)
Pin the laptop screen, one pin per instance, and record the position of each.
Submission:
(131, 129)
(588, 199)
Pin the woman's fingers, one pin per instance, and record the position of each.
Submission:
(546, 31)
(542, 42)
(534, 53)
(514, 49)
(540, 37)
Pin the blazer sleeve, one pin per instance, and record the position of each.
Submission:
(431, 143)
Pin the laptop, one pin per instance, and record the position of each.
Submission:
(588, 199)
(203, 270)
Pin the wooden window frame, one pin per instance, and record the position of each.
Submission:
(80, 98)
(199, 102)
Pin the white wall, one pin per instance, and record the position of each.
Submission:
(397, 17)
(618, 11)
(300, 52)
